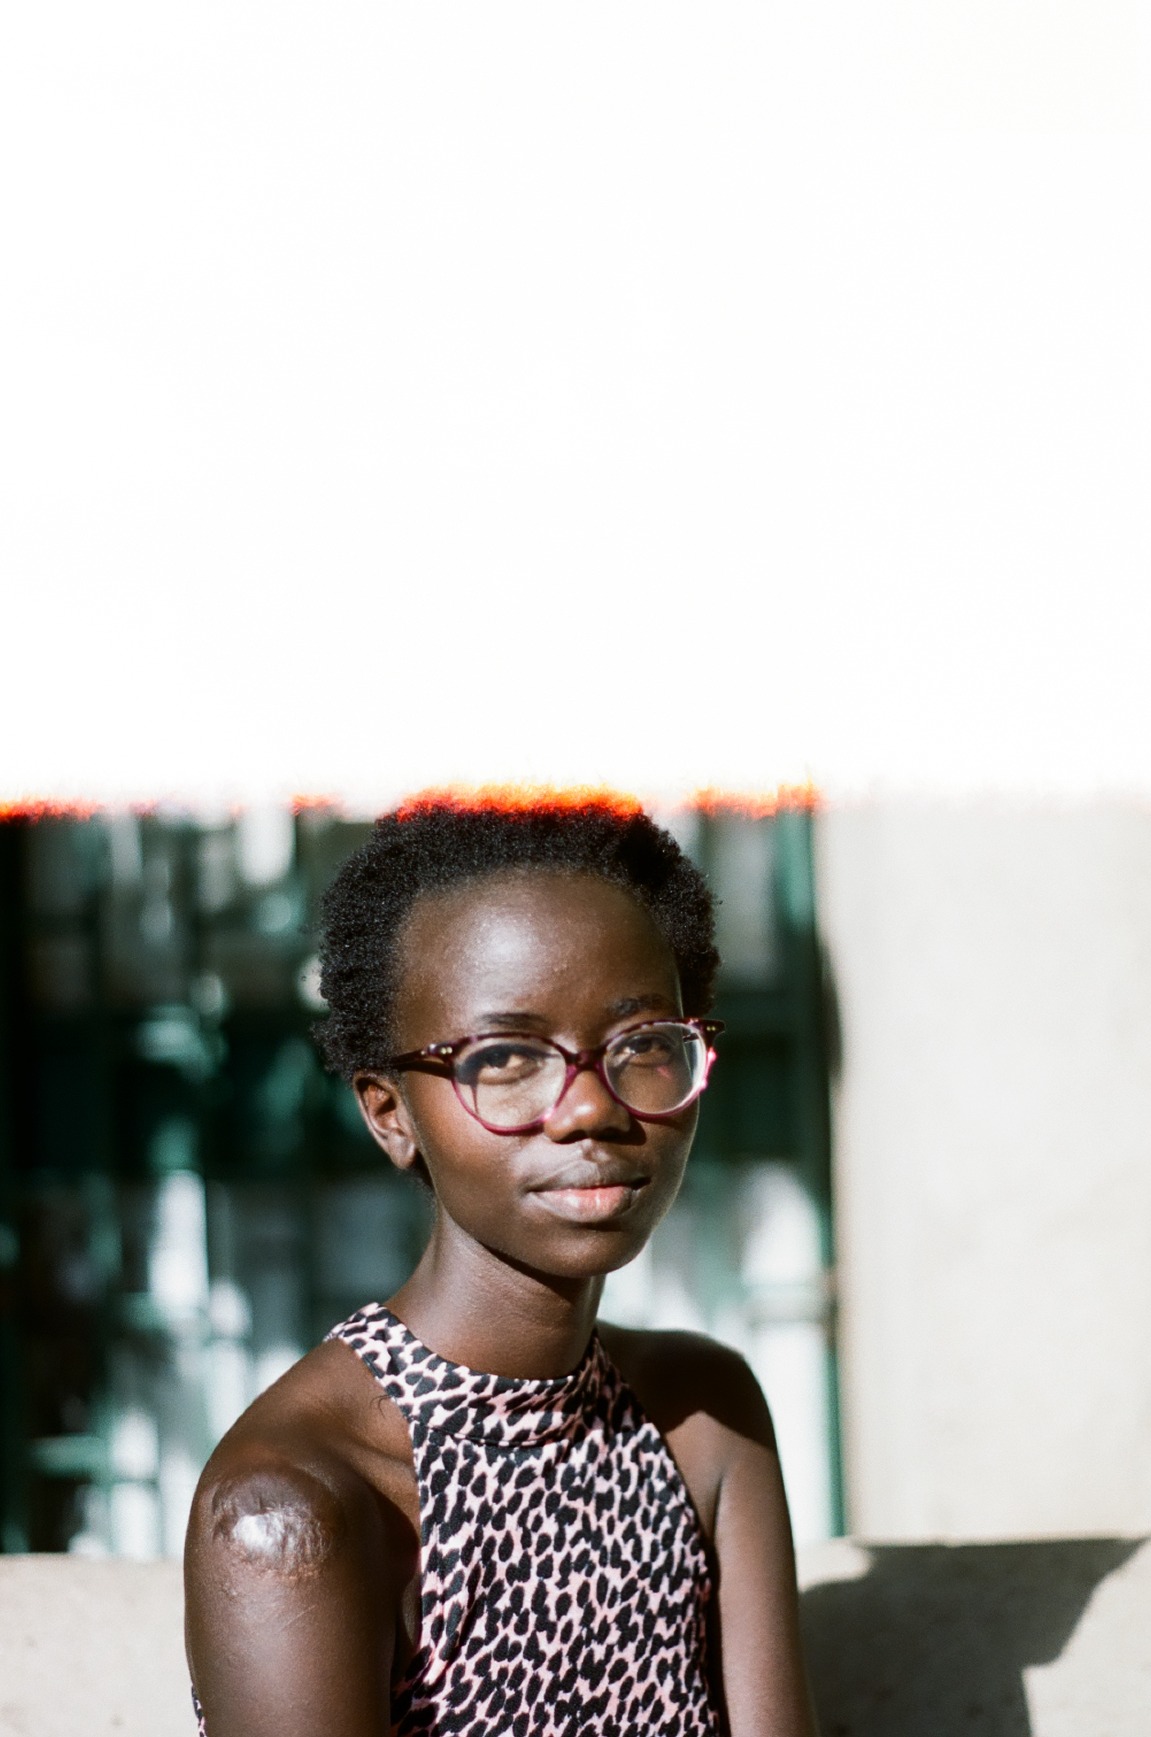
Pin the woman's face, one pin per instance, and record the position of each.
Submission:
(564, 956)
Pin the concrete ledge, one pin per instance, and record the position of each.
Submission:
(92, 1649)
(1050, 1638)
(1043, 1639)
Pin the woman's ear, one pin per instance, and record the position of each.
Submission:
(387, 1118)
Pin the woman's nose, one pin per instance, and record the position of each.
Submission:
(587, 1107)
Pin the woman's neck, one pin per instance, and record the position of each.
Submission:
(475, 1307)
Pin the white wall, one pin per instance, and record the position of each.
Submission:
(993, 1137)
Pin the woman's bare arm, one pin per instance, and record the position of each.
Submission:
(764, 1679)
(294, 1571)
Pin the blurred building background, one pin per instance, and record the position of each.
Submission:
(188, 1202)
(944, 1284)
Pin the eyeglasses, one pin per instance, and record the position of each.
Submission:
(511, 1081)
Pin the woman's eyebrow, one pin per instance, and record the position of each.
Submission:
(641, 1004)
(516, 1019)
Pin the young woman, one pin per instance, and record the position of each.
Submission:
(473, 1509)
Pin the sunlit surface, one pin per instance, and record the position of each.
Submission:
(653, 396)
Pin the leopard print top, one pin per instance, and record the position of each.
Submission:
(564, 1581)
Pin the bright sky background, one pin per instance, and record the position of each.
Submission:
(665, 395)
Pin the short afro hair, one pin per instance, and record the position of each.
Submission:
(436, 842)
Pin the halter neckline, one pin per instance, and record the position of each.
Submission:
(452, 1399)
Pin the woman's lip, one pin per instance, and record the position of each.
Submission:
(590, 1205)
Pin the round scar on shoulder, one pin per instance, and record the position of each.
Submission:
(288, 1539)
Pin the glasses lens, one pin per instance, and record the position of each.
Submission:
(657, 1068)
(510, 1081)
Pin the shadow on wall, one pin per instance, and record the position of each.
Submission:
(935, 1638)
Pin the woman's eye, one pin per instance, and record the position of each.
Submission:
(499, 1062)
(650, 1048)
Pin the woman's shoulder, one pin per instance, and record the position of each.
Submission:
(302, 1463)
(683, 1373)
(663, 1345)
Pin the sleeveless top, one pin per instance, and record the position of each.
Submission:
(564, 1583)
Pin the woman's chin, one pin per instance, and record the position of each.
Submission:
(593, 1252)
